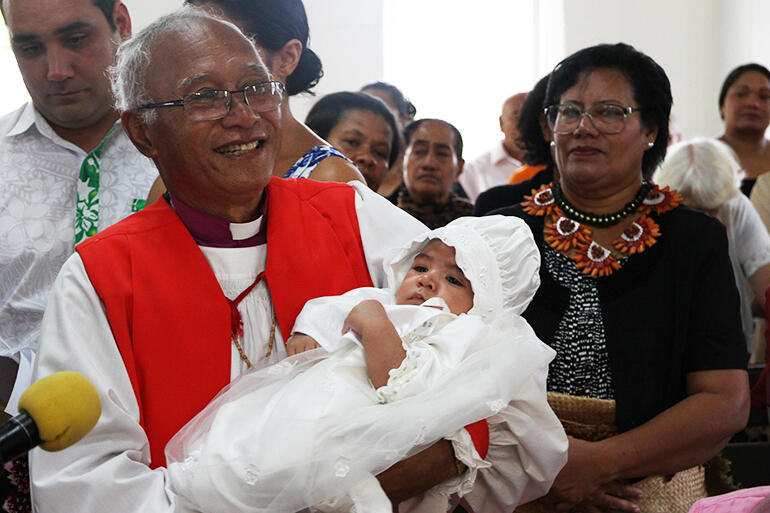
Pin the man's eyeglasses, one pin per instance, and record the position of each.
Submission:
(211, 104)
(607, 118)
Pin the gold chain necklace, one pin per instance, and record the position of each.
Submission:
(269, 346)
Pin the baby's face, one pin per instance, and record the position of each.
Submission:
(434, 273)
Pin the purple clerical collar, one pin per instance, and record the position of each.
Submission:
(217, 232)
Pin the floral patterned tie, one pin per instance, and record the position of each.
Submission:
(87, 206)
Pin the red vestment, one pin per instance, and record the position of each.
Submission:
(169, 316)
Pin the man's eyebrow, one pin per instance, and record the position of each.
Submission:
(186, 82)
(25, 38)
(78, 25)
(253, 66)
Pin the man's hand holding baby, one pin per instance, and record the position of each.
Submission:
(299, 343)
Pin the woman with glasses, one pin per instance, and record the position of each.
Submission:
(637, 296)
(280, 31)
(744, 106)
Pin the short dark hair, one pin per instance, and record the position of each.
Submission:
(405, 108)
(735, 74)
(329, 110)
(649, 83)
(537, 151)
(412, 127)
(106, 6)
(272, 24)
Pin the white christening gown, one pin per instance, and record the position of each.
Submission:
(312, 430)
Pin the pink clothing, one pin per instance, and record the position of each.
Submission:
(740, 501)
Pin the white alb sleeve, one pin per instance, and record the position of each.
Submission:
(383, 226)
(108, 470)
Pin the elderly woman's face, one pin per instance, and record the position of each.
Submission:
(747, 103)
(589, 160)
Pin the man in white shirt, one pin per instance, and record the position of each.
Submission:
(207, 282)
(67, 168)
(496, 165)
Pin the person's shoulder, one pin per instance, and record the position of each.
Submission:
(336, 169)
(510, 194)
(684, 217)
(10, 120)
(482, 160)
(314, 191)
(458, 201)
(493, 198)
(686, 228)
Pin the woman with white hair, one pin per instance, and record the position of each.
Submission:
(708, 176)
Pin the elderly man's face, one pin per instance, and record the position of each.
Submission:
(218, 164)
(431, 165)
(509, 120)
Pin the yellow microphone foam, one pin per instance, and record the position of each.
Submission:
(65, 406)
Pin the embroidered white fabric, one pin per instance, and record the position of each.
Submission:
(39, 171)
(458, 369)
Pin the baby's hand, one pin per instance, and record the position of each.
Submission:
(299, 343)
(364, 314)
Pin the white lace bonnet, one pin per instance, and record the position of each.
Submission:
(497, 254)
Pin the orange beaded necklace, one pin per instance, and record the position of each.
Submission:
(565, 234)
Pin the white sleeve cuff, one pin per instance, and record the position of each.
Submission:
(464, 451)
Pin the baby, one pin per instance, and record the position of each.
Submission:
(402, 367)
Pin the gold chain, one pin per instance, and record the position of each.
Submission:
(269, 346)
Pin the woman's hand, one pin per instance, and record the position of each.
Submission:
(585, 484)
(299, 343)
(612, 497)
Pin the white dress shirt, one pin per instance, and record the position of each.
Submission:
(491, 168)
(39, 171)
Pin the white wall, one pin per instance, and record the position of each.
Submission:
(346, 34)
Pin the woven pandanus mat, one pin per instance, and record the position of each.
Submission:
(594, 419)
